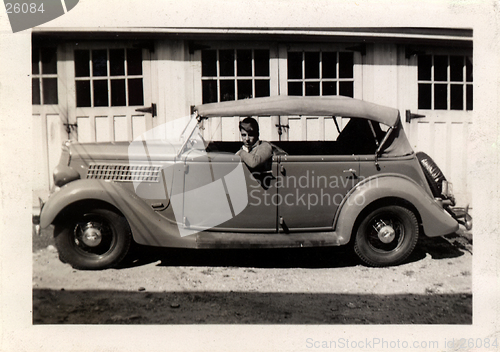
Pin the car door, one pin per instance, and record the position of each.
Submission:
(221, 194)
(311, 189)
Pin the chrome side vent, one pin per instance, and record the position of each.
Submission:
(124, 173)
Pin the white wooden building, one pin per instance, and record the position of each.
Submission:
(91, 86)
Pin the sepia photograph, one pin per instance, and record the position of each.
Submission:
(198, 174)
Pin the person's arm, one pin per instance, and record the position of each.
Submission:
(262, 154)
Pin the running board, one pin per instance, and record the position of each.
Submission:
(275, 240)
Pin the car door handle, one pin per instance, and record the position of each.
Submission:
(282, 170)
(352, 171)
(158, 206)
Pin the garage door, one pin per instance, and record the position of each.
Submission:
(440, 123)
(112, 85)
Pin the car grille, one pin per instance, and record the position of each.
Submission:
(125, 173)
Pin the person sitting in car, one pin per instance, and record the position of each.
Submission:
(255, 153)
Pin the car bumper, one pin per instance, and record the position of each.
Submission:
(461, 215)
(35, 218)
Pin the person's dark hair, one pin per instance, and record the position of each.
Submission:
(250, 125)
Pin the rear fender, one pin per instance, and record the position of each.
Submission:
(148, 227)
(435, 220)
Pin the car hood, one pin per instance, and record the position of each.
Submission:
(125, 151)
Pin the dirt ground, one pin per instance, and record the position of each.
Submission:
(293, 286)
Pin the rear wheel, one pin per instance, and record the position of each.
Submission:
(386, 236)
(94, 239)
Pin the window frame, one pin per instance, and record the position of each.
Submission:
(320, 79)
(357, 78)
(41, 75)
(253, 46)
(448, 82)
(108, 77)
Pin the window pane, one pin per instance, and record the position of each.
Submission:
(82, 59)
(49, 90)
(82, 93)
(244, 89)
(294, 65)
(329, 65)
(135, 92)
(209, 91)
(424, 67)
(329, 88)
(346, 63)
(440, 96)
(118, 92)
(346, 89)
(424, 96)
(117, 62)
(311, 65)
(99, 63)
(226, 62)
(468, 69)
(208, 63)
(440, 68)
(295, 88)
(226, 90)
(457, 97)
(134, 61)
(35, 91)
(262, 88)
(49, 60)
(244, 62)
(469, 97)
(261, 59)
(457, 68)
(312, 88)
(35, 58)
(100, 93)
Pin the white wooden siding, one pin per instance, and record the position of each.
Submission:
(445, 136)
(49, 133)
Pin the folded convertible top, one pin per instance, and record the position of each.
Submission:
(302, 106)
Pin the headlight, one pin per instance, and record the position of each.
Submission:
(447, 189)
(63, 173)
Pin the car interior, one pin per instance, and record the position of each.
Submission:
(357, 138)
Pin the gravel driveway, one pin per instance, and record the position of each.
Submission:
(292, 286)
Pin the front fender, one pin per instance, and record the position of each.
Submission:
(435, 220)
(77, 191)
(148, 227)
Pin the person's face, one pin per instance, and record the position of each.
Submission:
(248, 139)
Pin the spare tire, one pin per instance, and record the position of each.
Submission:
(432, 172)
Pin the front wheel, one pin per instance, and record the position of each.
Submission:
(95, 239)
(386, 236)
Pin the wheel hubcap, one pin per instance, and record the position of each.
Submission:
(385, 233)
(91, 234)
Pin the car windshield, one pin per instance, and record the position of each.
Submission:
(191, 137)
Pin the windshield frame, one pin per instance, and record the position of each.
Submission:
(187, 134)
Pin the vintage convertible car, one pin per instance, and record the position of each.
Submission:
(173, 188)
